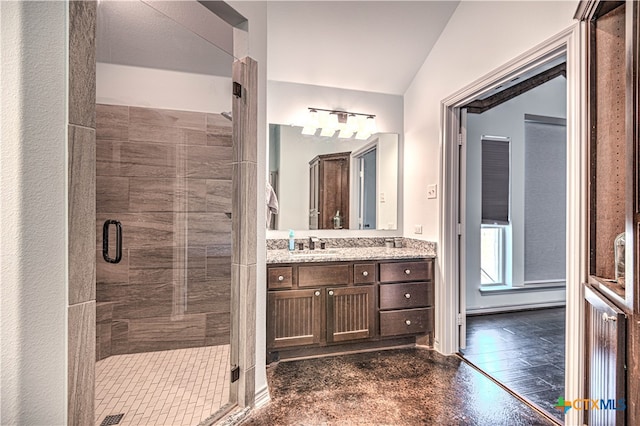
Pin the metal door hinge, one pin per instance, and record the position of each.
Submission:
(237, 89)
(459, 319)
(460, 141)
(459, 228)
(235, 373)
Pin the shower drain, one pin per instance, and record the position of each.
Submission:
(113, 419)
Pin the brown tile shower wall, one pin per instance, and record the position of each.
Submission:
(166, 176)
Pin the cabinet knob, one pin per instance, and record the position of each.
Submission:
(407, 295)
(330, 292)
(408, 322)
(317, 293)
(280, 278)
(407, 271)
(365, 273)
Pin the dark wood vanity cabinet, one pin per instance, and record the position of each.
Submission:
(329, 190)
(323, 306)
(406, 298)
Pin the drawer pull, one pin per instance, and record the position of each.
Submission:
(407, 295)
(317, 293)
(330, 292)
(365, 273)
(408, 322)
(407, 271)
(607, 318)
(280, 278)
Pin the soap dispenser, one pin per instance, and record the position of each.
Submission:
(292, 242)
(337, 221)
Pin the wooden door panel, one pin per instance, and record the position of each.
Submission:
(350, 313)
(294, 318)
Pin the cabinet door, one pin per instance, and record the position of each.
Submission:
(350, 313)
(293, 318)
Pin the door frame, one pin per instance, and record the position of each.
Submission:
(450, 318)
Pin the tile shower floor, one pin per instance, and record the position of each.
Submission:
(177, 387)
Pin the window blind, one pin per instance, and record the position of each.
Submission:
(496, 159)
(545, 198)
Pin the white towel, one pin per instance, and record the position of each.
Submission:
(272, 203)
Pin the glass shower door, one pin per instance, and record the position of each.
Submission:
(163, 189)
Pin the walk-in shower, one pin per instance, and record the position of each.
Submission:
(163, 208)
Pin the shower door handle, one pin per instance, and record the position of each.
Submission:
(105, 241)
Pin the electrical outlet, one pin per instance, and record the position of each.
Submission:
(417, 229)
(382, 197)
(432, 191)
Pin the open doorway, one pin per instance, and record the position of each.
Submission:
(451, 331)
(514, 187)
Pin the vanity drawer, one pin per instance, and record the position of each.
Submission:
(408, 321)
(281, 277)
(316, 275)
(364, 273)
(406, 271)
(405, 295)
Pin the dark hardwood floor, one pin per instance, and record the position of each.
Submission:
(522, 350)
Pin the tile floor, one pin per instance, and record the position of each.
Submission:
(177, 387)
(522, 350)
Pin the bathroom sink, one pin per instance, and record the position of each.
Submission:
(314, 253)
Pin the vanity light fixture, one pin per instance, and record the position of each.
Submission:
(312, 124)
(349, 124)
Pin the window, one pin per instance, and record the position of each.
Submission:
(492, 255)
(496, 180)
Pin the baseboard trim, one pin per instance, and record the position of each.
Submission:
(510, 308)
(262, 397)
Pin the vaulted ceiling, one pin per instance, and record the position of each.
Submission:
(375, 46)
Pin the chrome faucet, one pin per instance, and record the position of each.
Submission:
(312, 242)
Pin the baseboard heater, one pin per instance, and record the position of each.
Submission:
(605, 359)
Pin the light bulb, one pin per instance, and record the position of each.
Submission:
(370, 125)
(333, 121)
(311, 124)
(352, 123)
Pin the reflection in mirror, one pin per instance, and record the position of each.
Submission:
(333, 183)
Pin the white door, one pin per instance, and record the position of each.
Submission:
(462, 194)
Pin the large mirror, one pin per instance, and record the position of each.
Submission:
(333, 183)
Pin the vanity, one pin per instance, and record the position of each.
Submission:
(348, 299)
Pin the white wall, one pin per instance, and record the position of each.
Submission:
(287, 103)
(164, 89)
(33, 213)
(480, 37)
(506, 120)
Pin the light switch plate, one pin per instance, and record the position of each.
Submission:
(432, 191)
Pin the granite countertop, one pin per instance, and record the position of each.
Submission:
(337, 254)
